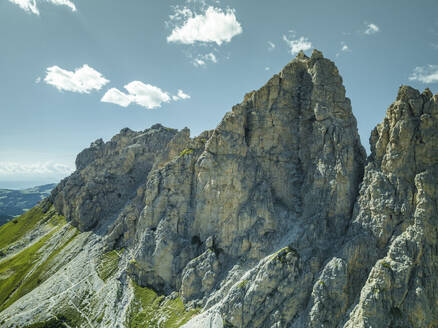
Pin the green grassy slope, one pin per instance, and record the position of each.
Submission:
(25, 270)
(148, 309)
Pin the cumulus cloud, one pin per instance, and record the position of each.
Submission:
(297, 44)
(202, 60)
(371, 29)
(31, 5)
(142, 94)
(271, 46)
(212, 25)
(146, 95)
(27, 5)
(39, 168)
(82, 80)
(425, 74)
(115, 96)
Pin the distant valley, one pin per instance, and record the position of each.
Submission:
(16, 202)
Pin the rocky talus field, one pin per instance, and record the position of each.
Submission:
(276, 218)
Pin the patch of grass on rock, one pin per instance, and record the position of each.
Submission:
(108, 264)
(148, 309)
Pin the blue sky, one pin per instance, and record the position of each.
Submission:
(73, 71)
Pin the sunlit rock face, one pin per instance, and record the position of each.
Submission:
(276, 218)
(108, 175)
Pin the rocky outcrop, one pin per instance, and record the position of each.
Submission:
(397, 210)
(283, 167)
(273, 219)
(108, 174)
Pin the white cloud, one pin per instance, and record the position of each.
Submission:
(271, 46)
(144, 95)
(67, 3)
(38, 80)
(31, 5)
(82, 80)
(425, 74)
(115, 96)
(213, 25)
(181, 95)
(201, 60)
(372, 29)
(297, 45)
(267, 68)
(39, 168)
(27, 5)
(344, 48)
(211, 57)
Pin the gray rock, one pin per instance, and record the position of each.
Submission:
(273, 219)
(108, 175)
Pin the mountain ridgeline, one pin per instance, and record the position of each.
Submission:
(276, 218)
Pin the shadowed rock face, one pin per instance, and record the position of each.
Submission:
(273, 219)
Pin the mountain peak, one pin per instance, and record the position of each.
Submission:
(272, 219)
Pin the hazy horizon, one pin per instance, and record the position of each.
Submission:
(76, 70)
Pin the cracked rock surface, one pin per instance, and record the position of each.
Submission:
(276, 218)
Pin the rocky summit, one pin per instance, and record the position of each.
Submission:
(276, 218)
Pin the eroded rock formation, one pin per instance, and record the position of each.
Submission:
(276, 218)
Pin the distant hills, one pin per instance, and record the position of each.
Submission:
(16, 202)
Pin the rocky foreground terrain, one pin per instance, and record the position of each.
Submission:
(276, 218)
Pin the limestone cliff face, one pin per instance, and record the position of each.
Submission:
(397, 211)
(273, 219)
(283, 167)
(108, 174)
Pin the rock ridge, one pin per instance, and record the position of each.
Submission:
(275, 218)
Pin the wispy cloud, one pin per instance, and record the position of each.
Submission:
(425, 74)
(67, 3)
(181, 95)
(31, 5)
(212, 25)
(271, 46)
(202, 60)
(39, 168)
(371, 28)
(82, 80)
(297, 44)
(145, 95)
(345, 48)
